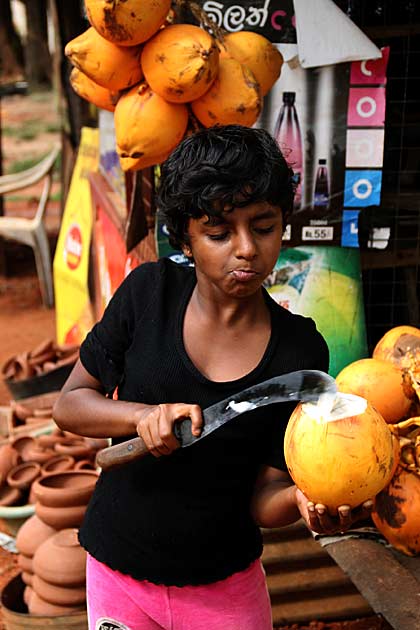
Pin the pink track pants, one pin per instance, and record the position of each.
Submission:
(118, 602)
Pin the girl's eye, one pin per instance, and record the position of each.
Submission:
(218, 237)
(266, 230)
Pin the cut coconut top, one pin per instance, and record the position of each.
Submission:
(330, 408)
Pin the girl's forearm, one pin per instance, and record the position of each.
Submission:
(87, 412)
(274, 505)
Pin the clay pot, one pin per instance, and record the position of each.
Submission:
(22, 445)
(58, 463)
(37, 453)
(61, 560)
(97, 443)
(84, 464)
(61, 517)
(27, 594)
(31, 534)
(59, 595)
(65, 489)
(9, 457)
(25, 563)
(10, 496)
(38, 606)
(49, 440)
(27, 578)
(78, 449)
(22, 475)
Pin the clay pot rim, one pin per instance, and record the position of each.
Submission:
(60, 457)
(26, 481)
(12, 494)
(65, 496)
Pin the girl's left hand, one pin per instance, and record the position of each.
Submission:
(321, 521)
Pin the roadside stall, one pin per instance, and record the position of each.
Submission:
(325, 102)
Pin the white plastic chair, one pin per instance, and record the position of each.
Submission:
(32, 232)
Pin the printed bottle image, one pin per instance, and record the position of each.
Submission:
(288, 136)
(322, 187)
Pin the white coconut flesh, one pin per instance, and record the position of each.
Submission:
(333, 407)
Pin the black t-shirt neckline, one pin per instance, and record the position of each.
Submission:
(252, 376)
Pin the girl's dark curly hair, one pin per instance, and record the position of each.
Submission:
(218, 169)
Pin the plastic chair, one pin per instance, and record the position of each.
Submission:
(32, 232)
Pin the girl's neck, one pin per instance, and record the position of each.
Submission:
(227, 311)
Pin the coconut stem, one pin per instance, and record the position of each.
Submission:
(203, 18)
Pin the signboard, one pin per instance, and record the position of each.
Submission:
(74, 316)
(324, 283)
(113, 262)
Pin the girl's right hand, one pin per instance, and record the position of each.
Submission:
(156, 426)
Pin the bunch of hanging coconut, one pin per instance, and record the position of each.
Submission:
(156, 74)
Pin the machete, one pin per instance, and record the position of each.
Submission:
(303, 385)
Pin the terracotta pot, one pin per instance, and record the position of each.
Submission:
(58, 463)
(10, 496)
(27, 578)
(48, 440)
(36, 453)
(38, 606)
(9, 457)
(27, 594)
(65, 489)
(32, 497)
(61, 517)
(14, 618)
(20, 410)
(31, 534)
(25, 563)
(78, 449)
(61, 560)
(59, 595)
(84, 464)
(22, 475)
(22, 445)
(97, 443)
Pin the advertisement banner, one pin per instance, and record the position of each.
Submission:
(74, 316)
(113, 262)
(324, 283)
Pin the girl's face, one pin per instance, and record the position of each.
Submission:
(234, 254)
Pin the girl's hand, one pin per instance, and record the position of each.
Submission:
(319, 520)
(156, 426)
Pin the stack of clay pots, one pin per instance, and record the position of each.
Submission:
(50, 556)
(27, 458)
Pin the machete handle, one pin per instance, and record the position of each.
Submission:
(120, 454)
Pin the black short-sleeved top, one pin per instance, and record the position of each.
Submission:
(185, 518)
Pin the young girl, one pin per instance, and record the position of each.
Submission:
(173, 539)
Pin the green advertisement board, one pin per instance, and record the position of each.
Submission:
(325, 283)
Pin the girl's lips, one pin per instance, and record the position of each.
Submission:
(244, 275)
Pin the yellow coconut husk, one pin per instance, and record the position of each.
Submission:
(92, 92)
(396, 511)
(127, 22)
(112, 67)
(258, 53)
(233, 98)
(383, 384)
(180, 62)
(401, 346)
(340, 456)
(147, 128)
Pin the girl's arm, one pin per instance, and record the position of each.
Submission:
(278, 502)
(83, 408)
